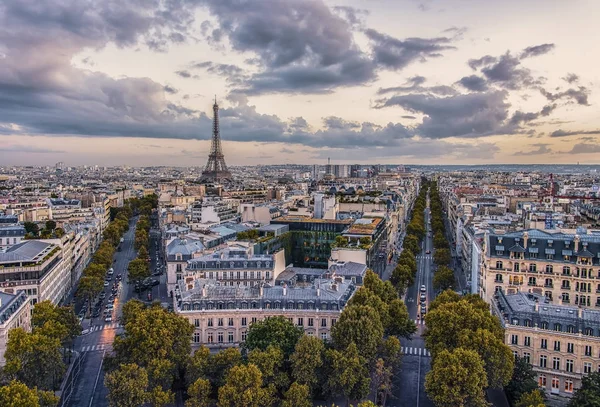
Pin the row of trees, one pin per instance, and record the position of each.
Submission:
(405, 272)
(467, 348)
(139, 268)
(278, 365)
(443, 278)
(35, 361)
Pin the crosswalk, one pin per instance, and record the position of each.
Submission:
(420, 322)
(99, 347)
(409, 350)
(95, 328)
(424, 256)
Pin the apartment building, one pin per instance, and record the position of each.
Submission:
(179, 251)
(223, 314)
(10, 235)
(562, 343)
(236, 266)
(37, 268)
(15, 312)
(212, 212)
(563, 266)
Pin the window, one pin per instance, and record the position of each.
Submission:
(544, 344)
(311, 322)
(220, 337)
(532, 281)
(244, 321)
(253, 319)
(210, 322)
(514, 339)
(197, 323)
(230, 322)
(210, 337)
(333, 321)
(587, 367)
(230, 337)
(565, 298)
(557, 327)
(527, 322)
(555, 384)
(569, 385)
(549, 269)
(244, 335)
(300, 321)
(499, 265)
(570, 329)
(570, 347)
(324, 335)
(544, 325)
(542, 380)
(548, 283)
(589, 331)
(569, 366)
(498, 278)
(220, 322)
(566, 285)
(324, 322)
(527, 341)
(527, 357)
(566, 270)
(557, 346)
(588, 350)
(196, 337)
(543, 361)
(532, 268)
(556, 363)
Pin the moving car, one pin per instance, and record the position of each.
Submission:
(428, 252)
(108, 318)
(423, 289)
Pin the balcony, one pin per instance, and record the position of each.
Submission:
(549, 285)
(530, 284)
(498, 281)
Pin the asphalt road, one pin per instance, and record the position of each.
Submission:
(409, 383)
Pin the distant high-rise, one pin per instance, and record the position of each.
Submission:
(216, 169)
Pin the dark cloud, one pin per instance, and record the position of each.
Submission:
(300, 47)
(232, 73)
(474, 83)
(17, 148)
(413, 85)
(395, 54)
(585, 148)
(579, 95)
(483, 61)
(563, 133)
(541, 149)
(537, 50)
(183, 74)
(507, 73)
(170, 89)
(546, 110)
(571, 78)
(408, 117)
(519, 117)
(471, 115)
(286, 151)
(337, 123)
(354, 16)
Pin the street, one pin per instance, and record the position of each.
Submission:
(409, 384)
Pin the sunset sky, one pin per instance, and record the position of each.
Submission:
(132, 82)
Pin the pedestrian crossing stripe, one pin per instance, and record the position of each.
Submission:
(429, 257)
(91, 348)
(419, 322)
(95, 328)
(409, 350)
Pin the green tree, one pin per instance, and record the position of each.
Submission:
(222, 363)
(442, 257)
(50, 225)
(138, 270)
(243, 388)
(402, 277)
(131, 310)
(47, 318)
(384, 290)
(534, 398)
(127, 386)
(457, 379)
(360, 325)
(159, 397)
(32, 228)
(199, 394)
(443, 278)
(199, 365)
(307, 361)
(298, 395)
(277, 331)
(390, 352)
(270, 363)
(523, 380)
(89, 287)
(588, 395)
(411, 242)
(497, 357)
(381, 381)
(348, 375)
(33, 359)
(17, 394)
(143, 253)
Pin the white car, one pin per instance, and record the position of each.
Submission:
(106, 284)
(423, 289)
(108, 318)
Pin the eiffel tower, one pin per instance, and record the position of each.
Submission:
(216, 169)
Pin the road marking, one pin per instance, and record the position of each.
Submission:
(97, 377)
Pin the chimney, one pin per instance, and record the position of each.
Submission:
(525, 238)
(319, 290)
(537, 305)
(580, 313)
(334, 287)
(576, 244)
(204, 291)
(261, 290)
(284, 289)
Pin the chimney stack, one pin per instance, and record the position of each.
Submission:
(261, 290)
(204, 291)
(537, 305)
(580, 313)
(319, 290)
(284, 289)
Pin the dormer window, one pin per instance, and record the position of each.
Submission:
(550, 242)
(567, 243)
(500, 240)
(533, 242)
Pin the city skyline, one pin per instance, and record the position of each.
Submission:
(414, 82)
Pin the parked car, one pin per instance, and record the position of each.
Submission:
(106, 284)
(423, 309)
(423, 289)
(428, 252)
(108, 318)
(422, 298)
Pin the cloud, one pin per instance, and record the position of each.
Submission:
(354, 16)
(483, 61)
(571, 78)
(579, 95)
(537, 50)
(170, 89)
(183, 73)
(563, 133)
(413, 85)
(506, 73)
(233, 74)
(408, 117)
(519, 117)
(396, 54)
(474, 83)
(17, 148)
(471, 115)
(541, 149)
(585, 148)
(300, 47)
